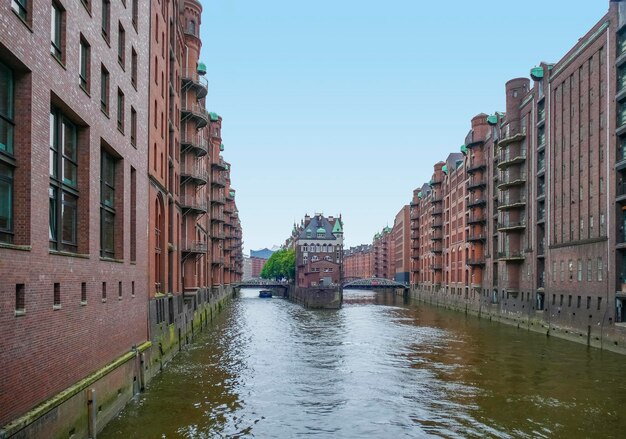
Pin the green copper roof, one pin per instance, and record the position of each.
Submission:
(337, 227)
(536, 73)
(492, 120)
(445, 169)
(387, 229)
(419, 195)
(232, 194)
(214, 116)
(227, 166)
(321, 230)
(222, 147)
(201, 68)
(464, 149)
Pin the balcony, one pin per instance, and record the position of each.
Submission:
(511, 138)
(436, 267)
(193, 174)
(475, 183)
(415, 245)
(476, 165)
(218, 180)
(620, 163)
(437, 211)
(511, 256)
(541, 167)
(191, 79)
(476, 219)
(509, 225)
(476, 261)
(512, 180)
(218, 260)
(476, 237)
(437, 248)
(191, 204)
(508, 159)
(621, 192)
(436, 181)
(415, 215)
(195, 145)
(194, 247)
(415, 234)
(436, 235)
(541, 216)
(436, 199)
(541, 249)
(477, 202)
(194, 112)
(437, 223)
(541, 191)
(219, 199)
(513, 203)
(219, 236)
(220, 164)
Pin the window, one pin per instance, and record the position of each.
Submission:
(106, 18)
(6, 110)
(56, 31)
(562, 271)
(86, 4)
(569, 301)
(63, 190)
(104, 90)
(588, 302)
(121, 45)
(120, 110)
(135, 11)
(621, 42)
(599, 303)
(589, 270)
(119, 290)
(554, 271)
(133, 126)
(20, 298)
(191, 28)
(20, 7)
(600, 269)
(83, 293)
(57, 296)
(84, 64)
(6, 203)
(107, 205)
(104, 291)
(602, 225)
(133, 68)
(580, 270)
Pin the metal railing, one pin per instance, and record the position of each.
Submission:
(195, 247)
(191, 202)
(194, 171)
(195, 142)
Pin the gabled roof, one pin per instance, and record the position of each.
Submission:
(318, 224)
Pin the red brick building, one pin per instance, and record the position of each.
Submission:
(318, 242)
(401, 245)
(383, 247)
(114, 248)
(257, 266)
(532, 223)
(73, 193)
(358, 262)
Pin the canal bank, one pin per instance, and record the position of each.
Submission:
(596, 333)
(381, 366)
(83, 409)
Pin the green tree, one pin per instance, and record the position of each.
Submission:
(281, 265)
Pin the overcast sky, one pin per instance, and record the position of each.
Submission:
(344, 106)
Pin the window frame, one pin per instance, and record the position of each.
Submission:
(63, 194)
(121, 45)
(107, 209)
(7, 233)
(121, 103)
(84, 64)
(8, 118)
(20, 8)
(105, 22)
(105, 80)
(56, 31)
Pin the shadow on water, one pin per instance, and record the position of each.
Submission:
(379, 367)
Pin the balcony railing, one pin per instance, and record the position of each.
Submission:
(191, 203)
(195, 111)
(512, 180)
(193, 172)
(512, 203)
(476, 218)
(475, 165)
(621, 189)
(436, 180)
(194, 143)
(194, 247)
(474, 183)
(477, 202)
(218, 180)
(220, 164)
(218, 199)
(508, 255)
(437, 248)
(436, 266)
(509, 158)
(437, 211)
(436, 199)
(473, 237)
(436, 223)
(511, 225)
(477, 260)
(436, 235)
(199, 82)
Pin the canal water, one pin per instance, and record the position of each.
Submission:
(379, 367)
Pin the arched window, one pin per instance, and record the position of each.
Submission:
(191, 27)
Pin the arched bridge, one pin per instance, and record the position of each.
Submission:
(374, 283)
(260, 283)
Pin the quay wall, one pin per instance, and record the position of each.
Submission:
(611, 337)
(317, 298)
(83, 409)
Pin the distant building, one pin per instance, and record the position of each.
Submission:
(258, 258)
(401, 245)
(384, 258)
(247, 268)
(319, 251)
(358, 262)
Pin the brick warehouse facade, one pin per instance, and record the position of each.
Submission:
(73, 261)
(102, 106)
(533, 219)
(358, 262)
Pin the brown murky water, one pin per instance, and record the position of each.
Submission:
(376, 368)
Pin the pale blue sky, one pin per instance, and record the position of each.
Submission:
(344, 106)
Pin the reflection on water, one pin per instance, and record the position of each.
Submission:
(379, 367)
